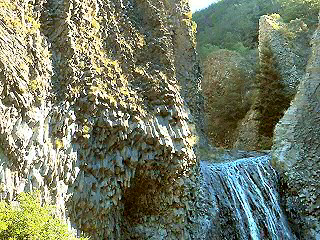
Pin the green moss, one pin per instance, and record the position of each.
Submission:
(275, 16)
(12, 17)
(95, 24)
(188, 15)
(35, 25)
(34, 85)
(86, 129)
(275, 25)
(194, 27)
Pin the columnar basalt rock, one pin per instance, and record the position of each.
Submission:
(92, 114)
(296, 151)
(283, 55)
(289, 44)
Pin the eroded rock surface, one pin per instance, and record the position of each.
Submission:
(92, 114)
(289, 44)
(296, 151)
(283, 54)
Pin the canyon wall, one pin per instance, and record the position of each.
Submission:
(296, 151)
(92, 113)
(289, 44)
(101, 110)
(283, 54)
(244, 101)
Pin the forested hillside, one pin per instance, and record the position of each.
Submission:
(233, 24)
(244, 67)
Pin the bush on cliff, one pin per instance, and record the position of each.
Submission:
(29, 220)
(272, 100)
(228, 89)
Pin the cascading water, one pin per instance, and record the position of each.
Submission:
(243, 196)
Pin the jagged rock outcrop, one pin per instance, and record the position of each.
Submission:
(283, 54)
(296, 151)
(289, 44)
(92, 114)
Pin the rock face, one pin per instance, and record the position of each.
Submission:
(289, 44)
(283, 54)
(296, 151)
(248, 132)
(92, 114)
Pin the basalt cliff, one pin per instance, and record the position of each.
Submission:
(101, 110)
(92, 112)
(296, 151)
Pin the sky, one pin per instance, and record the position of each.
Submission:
(200, 4)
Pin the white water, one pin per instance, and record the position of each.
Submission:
(245, 193)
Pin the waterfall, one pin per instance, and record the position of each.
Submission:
(243, 196)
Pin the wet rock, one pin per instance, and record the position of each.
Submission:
(239, 200)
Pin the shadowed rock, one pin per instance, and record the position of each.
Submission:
(296, 151)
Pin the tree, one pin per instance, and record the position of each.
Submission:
(307, 10)
(31, 221)
(228, 24)
(272, 100)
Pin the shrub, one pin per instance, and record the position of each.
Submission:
(272, 99)
(307, 10)
(29, 220)
(228, 89)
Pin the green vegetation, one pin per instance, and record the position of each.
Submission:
(307, 10)
(228, 90)
(233, 24)
(31, 221)
(271, 101)
(11, 14)
(59, 144)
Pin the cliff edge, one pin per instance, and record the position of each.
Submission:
(283, 54)
(92, 112)
(296, 151)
